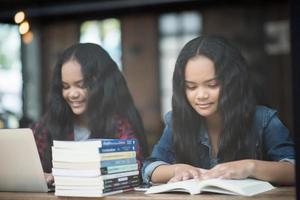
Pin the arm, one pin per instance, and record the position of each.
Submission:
(162, 153)
(43, 146)
(278, 153)
(41, 136)
(282, 173)
(161, 167)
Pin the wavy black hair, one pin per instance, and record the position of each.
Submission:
(236, 103)
(108, 96)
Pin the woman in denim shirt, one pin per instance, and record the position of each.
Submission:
(215, 130)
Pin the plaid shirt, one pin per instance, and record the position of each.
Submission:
(44, 142)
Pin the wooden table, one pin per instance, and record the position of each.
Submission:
(281, 193)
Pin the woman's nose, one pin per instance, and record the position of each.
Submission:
(202, 94)
(74, 93)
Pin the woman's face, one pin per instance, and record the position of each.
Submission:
(201, 86)
(73, 88)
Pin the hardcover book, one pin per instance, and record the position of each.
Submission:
(88, 155)
(92, 164)
(99, 143)
(95, 172)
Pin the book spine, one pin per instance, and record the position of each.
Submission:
(121, 179)
(121, 187)
(117, 155)
(131, 181)
(117, 142)
(119, 175)
(118, 169)
(121, 148)
(125, 161)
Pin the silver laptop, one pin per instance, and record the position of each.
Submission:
(20, 165)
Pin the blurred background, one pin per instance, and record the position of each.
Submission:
(144, 38)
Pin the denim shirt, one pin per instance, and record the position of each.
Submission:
(275, 142)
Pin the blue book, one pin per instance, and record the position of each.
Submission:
(120, 148)
(127, 161)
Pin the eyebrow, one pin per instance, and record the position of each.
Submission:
(77, 82)
(206, 81)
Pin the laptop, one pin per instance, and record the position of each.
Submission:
(20, 165)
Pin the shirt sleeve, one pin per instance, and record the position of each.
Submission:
(41, 136)
(162, 152)
(125, 131)
(277, 142)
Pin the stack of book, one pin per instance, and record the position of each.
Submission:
(94, 168)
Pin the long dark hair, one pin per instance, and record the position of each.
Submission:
(236, 103)
(108, 96)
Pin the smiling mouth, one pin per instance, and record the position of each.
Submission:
(76, 104)
(203, 106)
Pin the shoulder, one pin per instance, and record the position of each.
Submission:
(264, 113)
(168, 117)
(263, 116)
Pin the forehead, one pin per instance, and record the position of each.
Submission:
(71, 71)
(199, 68)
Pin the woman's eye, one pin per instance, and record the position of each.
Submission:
(82, 85)
(190, 87)
(213, 84)
(65, 87)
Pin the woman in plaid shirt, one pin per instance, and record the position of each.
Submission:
(89, 98)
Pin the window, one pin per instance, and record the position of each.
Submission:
(106, 33)
(175, 30)
(10, 76)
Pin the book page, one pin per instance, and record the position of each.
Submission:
(189, 186)
(245, 187)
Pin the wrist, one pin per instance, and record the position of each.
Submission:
(251, 167)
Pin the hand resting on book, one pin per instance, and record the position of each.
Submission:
(231, 170)
(184, 172)
(258, 169)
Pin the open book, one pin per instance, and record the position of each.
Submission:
(245, 187)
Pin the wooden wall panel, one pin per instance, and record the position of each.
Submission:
(140, 66)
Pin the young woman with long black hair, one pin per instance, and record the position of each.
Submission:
(215, 129)
(89, 98)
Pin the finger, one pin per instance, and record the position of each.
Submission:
(212, 174)
(195, 173)
(185, 176)
(175, 179)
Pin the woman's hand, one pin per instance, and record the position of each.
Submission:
(184, 172)
(49, 178)
(231, 170)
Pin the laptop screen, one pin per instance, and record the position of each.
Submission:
(20, 168)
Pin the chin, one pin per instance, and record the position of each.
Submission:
(205, 113)
(78, 111)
